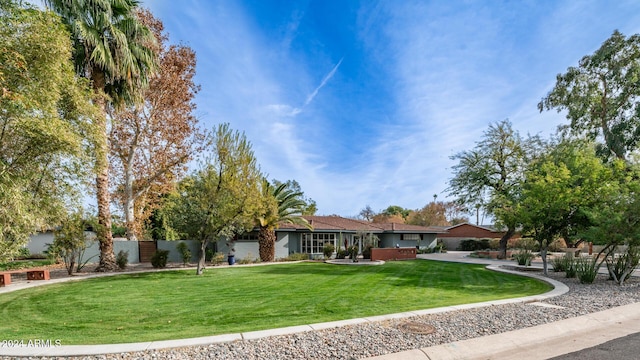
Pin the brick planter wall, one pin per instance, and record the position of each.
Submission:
(393, 253)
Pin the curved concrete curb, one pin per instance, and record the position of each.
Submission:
(80, 350)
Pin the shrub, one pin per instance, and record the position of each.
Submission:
(483, 244)
(327, 250)
(524, 257)
(341, 254)
(621, 267)
(468, 245)
(526, 244)
(23, 254)
(217, 258)
(473, 244)
(159, 258)
(296, 257)
(118, 231)
(494, 244)
(557, 245)
(249, 259)
(558, 263)
(353, 252)
(185, 253)
(587, 269)
(569, 265)
(70, 242)
(122, 259)
(366, 252)
(208, 255)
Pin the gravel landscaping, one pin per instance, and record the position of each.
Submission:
(372, 339)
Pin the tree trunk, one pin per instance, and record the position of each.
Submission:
(203, 252)
(129, 202)
(267, 244)
(107, 257)
(543, 254)
(503, 242)
(72, 263)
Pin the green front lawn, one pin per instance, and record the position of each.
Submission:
(179, 304)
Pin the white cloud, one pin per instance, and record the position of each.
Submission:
(449, 71)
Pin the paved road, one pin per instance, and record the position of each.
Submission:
(624, 348)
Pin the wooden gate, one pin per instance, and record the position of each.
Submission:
(146, 250)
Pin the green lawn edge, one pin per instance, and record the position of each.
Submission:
(166, 305)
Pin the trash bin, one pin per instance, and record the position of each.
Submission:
(231, 259)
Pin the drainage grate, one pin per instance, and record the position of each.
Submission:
(415, 327)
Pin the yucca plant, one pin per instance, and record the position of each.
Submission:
(587, 269)
(524, 257)
(558, 263)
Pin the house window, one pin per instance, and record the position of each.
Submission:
(411, 237)
(250, 236)
(313, 243)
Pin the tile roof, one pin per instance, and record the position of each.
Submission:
(491, 228)
(338, 223)
(411, 228)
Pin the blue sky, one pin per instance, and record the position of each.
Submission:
(363, 102)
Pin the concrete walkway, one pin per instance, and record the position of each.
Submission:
(558, 338)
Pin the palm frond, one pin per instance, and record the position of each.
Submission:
(109, 38)
(289, 206)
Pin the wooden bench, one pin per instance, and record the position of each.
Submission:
(32, 274)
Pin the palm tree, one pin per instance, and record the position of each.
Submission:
(288, 208)
(115, 51)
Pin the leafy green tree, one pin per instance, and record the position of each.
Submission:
(222, 199)
(114, 50)
(393, 213)
(491, 175)
(396, 210)
(43, 124)
(560, 188)
(615, 221)
(601, 96)
(282, 204)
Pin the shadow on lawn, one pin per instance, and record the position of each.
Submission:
(406, 273)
